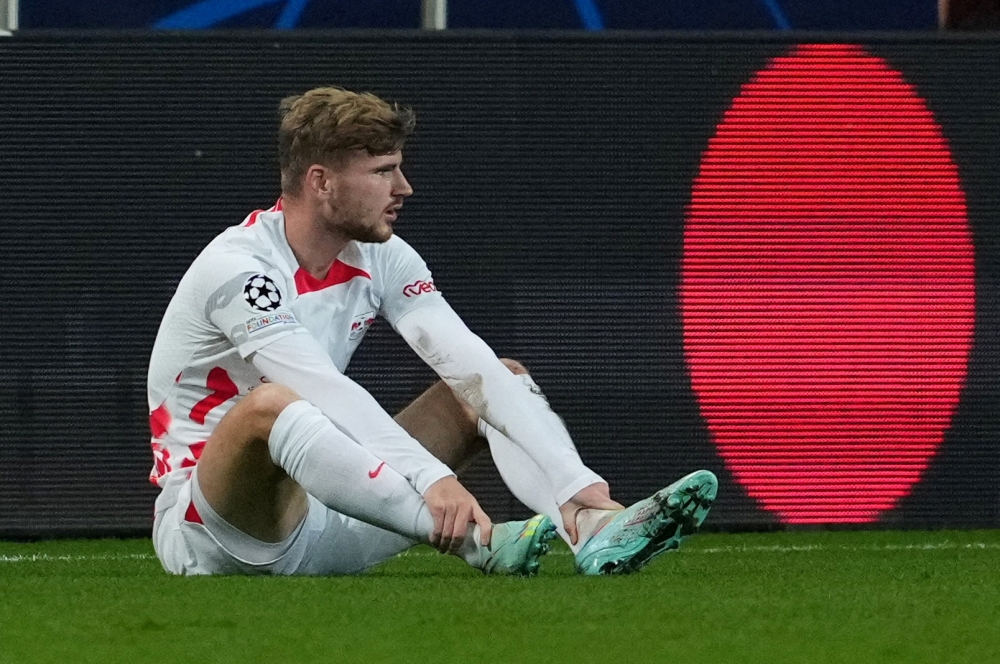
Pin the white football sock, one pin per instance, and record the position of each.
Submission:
(575, 475)
(339, 472)
(526, 480)
(472, 551)
(588, 522)
(528, 484)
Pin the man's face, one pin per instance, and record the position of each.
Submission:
(366, 195)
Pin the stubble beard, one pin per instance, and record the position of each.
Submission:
(356, 229)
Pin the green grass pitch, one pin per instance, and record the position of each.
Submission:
(852, 597)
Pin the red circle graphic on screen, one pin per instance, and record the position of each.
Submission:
(827, 288)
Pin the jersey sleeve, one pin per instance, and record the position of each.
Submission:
(406, 281)
(246, 299)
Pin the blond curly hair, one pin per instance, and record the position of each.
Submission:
(324, 124)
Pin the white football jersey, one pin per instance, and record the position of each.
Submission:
(246, 290)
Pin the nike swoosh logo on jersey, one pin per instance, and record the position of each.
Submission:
(374, 473)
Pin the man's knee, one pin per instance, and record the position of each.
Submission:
(516, 367)
(237, 473)
(237, 454)
(262, 406)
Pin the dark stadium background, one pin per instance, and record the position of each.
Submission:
(507, 14)
(552, 175)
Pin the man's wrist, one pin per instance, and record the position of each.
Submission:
(426, 479)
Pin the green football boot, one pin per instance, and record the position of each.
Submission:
(516, 546)
(639, 533)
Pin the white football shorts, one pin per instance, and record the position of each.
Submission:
(191, 538)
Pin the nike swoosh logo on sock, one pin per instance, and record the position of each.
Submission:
(374, 473)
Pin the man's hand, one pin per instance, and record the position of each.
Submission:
(594, 497)
(453, 509)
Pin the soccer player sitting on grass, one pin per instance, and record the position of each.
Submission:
(271, 461)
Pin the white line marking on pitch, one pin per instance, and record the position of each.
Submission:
(777, 548)
(46, 558)
(774, 548)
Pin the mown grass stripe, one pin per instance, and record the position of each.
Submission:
(806, 548)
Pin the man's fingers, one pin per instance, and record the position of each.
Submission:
(435, 538)
(570, 527)
(462, 520)
(568, 511)
(484, 523)
(447, 529)
(454, 509)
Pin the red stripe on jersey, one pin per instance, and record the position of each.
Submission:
(340, 273)
(196, 450)
(223, 389)
(161, 463)
(159, 421)
(252, 219)
(192, 514)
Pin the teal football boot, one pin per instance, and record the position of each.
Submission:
(516, 546)
(639, 533)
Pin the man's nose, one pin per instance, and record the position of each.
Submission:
(403, 187)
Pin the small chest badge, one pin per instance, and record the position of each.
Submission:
(360, 325)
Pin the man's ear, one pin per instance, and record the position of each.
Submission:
(319, 180)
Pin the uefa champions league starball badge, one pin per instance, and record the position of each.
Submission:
(261, 293)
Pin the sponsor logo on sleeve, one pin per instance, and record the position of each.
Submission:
(418, 287)
(261, 293)
(360, 325)
(258, 323)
